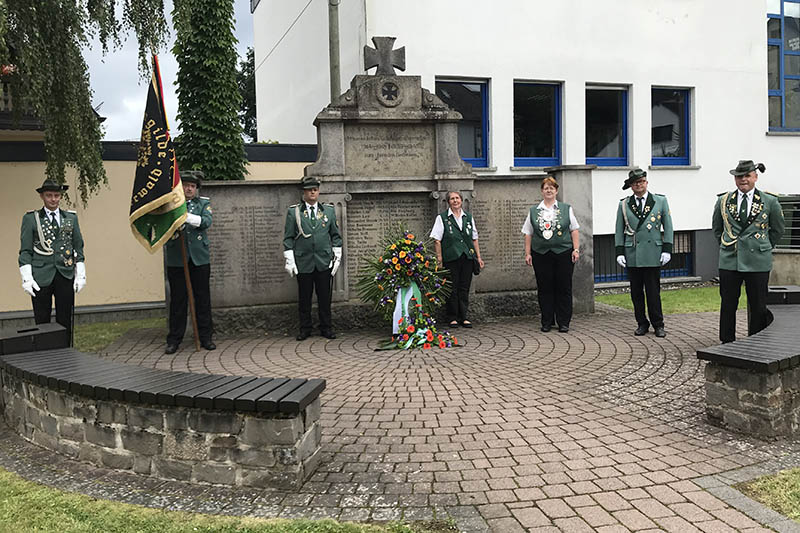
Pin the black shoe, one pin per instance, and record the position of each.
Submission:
(171, 348)
(563, 329)
(660, 332)
(303, 335)
(466, 324)
(329, 334)
(546, 328)
(641, 330)
(208, 345)
(453, 324)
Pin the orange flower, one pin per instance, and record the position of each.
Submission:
(442, 345)
(455, 341)
(394, 260)
(426, 346)
(408, 259)
(439, 338)
(410, 328)
(426, 264)
(402, 254)
(397, 267)
(393, 247)
(410, 235)
(407, 241)
(400, 321)
(429, 335)
(405, 336)
(380, 287)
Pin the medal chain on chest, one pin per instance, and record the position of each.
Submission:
(546, 224)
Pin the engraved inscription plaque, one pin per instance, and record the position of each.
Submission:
(499, 210)
(370, 217)
(389, 150)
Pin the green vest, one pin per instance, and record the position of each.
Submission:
(746, 245)
(560, 239)
(642, 240)
(49, 248)
(456, 242)
(196, 238)
(311, 241)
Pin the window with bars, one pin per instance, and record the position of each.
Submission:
(783, 64)
(606, 268)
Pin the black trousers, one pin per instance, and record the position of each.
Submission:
(62, 289)
(318, 281)
(554, 285)
(179, 299)
(646, 281)
(457, 303)
(730, 287)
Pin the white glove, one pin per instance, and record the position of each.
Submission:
(665, 257)
(193, 220)
(29, 284)
(80, 277)
(289, 267)
(337, 259)
(621, 261)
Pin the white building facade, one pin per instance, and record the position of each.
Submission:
(680, 88)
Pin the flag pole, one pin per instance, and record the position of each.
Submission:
(189, 292)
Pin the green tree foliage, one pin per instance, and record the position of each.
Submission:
(246, 79)
(43, 41)
(208, 96)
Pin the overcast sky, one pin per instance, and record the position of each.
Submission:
(117, 85)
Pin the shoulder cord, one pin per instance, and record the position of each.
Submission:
(45, 249)
(299, 224)
(628, 228)
(727, 223)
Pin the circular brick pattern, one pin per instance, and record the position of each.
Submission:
(513, 430)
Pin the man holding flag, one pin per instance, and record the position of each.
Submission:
(158, 202)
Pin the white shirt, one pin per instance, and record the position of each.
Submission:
(527, 227)
(644, 200)
(741, 195)
(50, 214)
(309, 206)
(438, 226)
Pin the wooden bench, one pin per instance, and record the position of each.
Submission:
(235, 430)
(753, 384)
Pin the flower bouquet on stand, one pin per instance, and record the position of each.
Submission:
(406, 285)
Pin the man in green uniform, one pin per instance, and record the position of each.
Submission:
(198, 220)
(643, 249)
(51, 257)
(312, 248)
(748, 224)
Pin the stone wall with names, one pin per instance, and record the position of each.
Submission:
(371, 217)
(499, 209)
(389, 150)
(246, 244)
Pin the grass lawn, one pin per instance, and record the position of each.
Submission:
(27, 507)
(676, 301)
(96, 336)
(780, 492)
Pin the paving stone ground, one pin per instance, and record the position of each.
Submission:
(518, 430)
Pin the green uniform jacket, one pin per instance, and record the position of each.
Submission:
(643, 247)
(196, 238)
(457, 242)
(313, 242)
(560, 239)
(748, 246)
(54, 249)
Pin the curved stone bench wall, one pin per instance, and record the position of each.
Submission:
(272, 450)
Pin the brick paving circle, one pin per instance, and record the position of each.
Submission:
(517, 430)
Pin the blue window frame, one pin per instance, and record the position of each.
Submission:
(537, 124)
(470, 98)
(783, 64)
(606, 126)
(670, 133)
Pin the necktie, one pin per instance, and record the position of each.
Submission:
(641, 204)
(743, 211)
(313, 215)
(55, 220)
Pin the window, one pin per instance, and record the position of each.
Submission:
(469, 99)
(670, 126)
(606, 126)
(783, 64)
(537, 124)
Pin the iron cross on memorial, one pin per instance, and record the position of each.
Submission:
(383, 57)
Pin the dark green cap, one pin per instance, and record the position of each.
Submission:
(633, 176)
